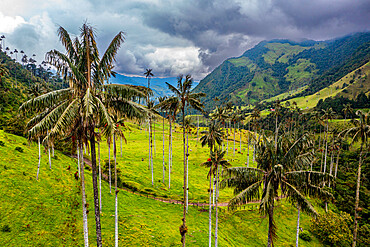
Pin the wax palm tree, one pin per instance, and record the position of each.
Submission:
(255, 116)
(327, 114)
(347, 109)
(360, 132)
(213, 163)
(82, 105)
(280, 168)
(211, 137)
(185, 99)
(162, 99)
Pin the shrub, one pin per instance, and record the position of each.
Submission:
(305, 235)
(333, 229)
(19, 149)
(2, 144)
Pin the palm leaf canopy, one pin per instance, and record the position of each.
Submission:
(281, 171)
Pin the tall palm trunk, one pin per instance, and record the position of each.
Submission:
(336, 165)
(38, 166)
(49, 154)
(249, 130)
(84, 213)
(149, 153)
(216, 228)
(227, 139)
(197, 128)
(78, 160)
(240, 138)
(271, 231)
(276, 129)
(234, 139)
(163, 152)
(183, 228)
(170, 154)
(151, 150)
(155, 147)
(95, 187)
(210, 209)
(100, 203)
(187, 168)
(116, 192)
(355, 229)
(110, 173)
(297, 233)
(326, 144)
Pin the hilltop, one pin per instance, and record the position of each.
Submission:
(283, 66)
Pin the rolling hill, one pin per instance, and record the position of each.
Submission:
(283, 66)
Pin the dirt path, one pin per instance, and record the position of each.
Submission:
(105, 177)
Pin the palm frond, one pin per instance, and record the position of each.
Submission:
(247, 195)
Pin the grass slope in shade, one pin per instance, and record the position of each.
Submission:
(48, 212)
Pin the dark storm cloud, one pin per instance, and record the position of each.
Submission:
(184, 36)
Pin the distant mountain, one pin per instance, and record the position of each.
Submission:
(278, 66)
(158, 85)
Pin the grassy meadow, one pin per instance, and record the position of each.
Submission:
(48, 212)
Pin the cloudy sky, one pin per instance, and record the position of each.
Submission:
(178, 36)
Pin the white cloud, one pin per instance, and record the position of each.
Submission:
(9, 23)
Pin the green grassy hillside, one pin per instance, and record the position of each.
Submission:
(280, 66)
(48, 212)
(348, 86)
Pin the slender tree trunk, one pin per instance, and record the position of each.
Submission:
(95, 187)
(234, 140)
(210, 211)
(355, 229)
(116, 193)
(271, 226)
(198, 129)
(78, 160)
(183, 228)
(170, 155)
(216, 228)
(151, 150)
(326, 144)
(84, 213)
(336, 166)
(187, 168)
(49, 154)
(149, 153)
(276, 129)
(100, 203)
(38, 166)
(163, 153)
(52, 150)
(110, 173)
(297, 235)
(227, 139)
(155, 147)
(240, 138)
(249, 131)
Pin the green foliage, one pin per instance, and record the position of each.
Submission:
(305, 235)
(333, 229)
(19, 149)
(2, 144)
